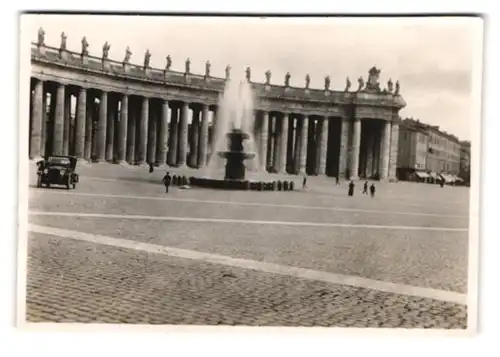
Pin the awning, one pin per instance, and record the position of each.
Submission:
(446, 178)
(422, 174)
(459, 179)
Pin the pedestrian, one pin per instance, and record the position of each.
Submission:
(365, 188)
(337, 181)
(351, 188)
(151, 168)
(304, 182)
(166, 181)
(372, 190)
(441, 183)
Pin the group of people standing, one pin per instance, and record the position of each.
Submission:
(350, 192)
(365, 189)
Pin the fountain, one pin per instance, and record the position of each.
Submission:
(235, 167)
(234, 125)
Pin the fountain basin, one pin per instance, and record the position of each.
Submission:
(239, 185)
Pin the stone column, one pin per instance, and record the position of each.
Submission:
(121, 145)
(283, 143)
(143, 132)
(369, 154)
(270, 140)
(213, 131)
(376, 152)
(81, 116)
(323, 145)
(87, 151)
(43, 136)
(385, 143)
(101, 133)
(344, 147)
(183, 131)
(203, 152)
(264, 128)
(57, 135)
(161, 148)
(36, 121)
(276, 143)
(193, 147)
(356, 141)
(152, 134)
(174, 135)
(303, 145)
(110, 131)
(67, 123)
(393, 160)
(132, 121)
(296, 149)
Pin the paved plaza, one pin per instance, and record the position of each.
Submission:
(118, 250)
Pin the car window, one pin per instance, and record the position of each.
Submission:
(58, 161)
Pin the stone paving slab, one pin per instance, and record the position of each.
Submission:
(390, 197)
(71, 281)
(113, 205)
(426, 259)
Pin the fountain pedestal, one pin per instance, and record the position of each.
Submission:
(235, 157)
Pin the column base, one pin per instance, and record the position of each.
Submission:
(122, 163)
(162, 165)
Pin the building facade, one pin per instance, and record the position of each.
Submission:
(412, 150)
(424, 147)
(465, 161)
(443, 152)
(135, 114)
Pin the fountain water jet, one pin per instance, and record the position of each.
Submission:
(235, 111)
(234, 142)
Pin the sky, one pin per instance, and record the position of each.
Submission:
(431, 57)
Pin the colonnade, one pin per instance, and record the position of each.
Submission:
(121, 128)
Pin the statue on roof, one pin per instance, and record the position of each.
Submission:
(128, 54)
(268, 77)
(147, 58)
(85, 46)
(287, 79)
(169, 63)
(228, 71)
(373, 76)
(308, 81)
(188, 66)
(105, 50)
(64, 38)
(390, 85)
(248, 73)
(327, 83)
(207, 68)
(396, 92)
(41, 37)
(347, 84)
(361, 84)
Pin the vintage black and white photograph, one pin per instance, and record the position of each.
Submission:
(249, 171)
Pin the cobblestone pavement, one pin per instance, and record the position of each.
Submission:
(69, 282)
(73, 281)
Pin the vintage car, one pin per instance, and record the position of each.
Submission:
(57, 170)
